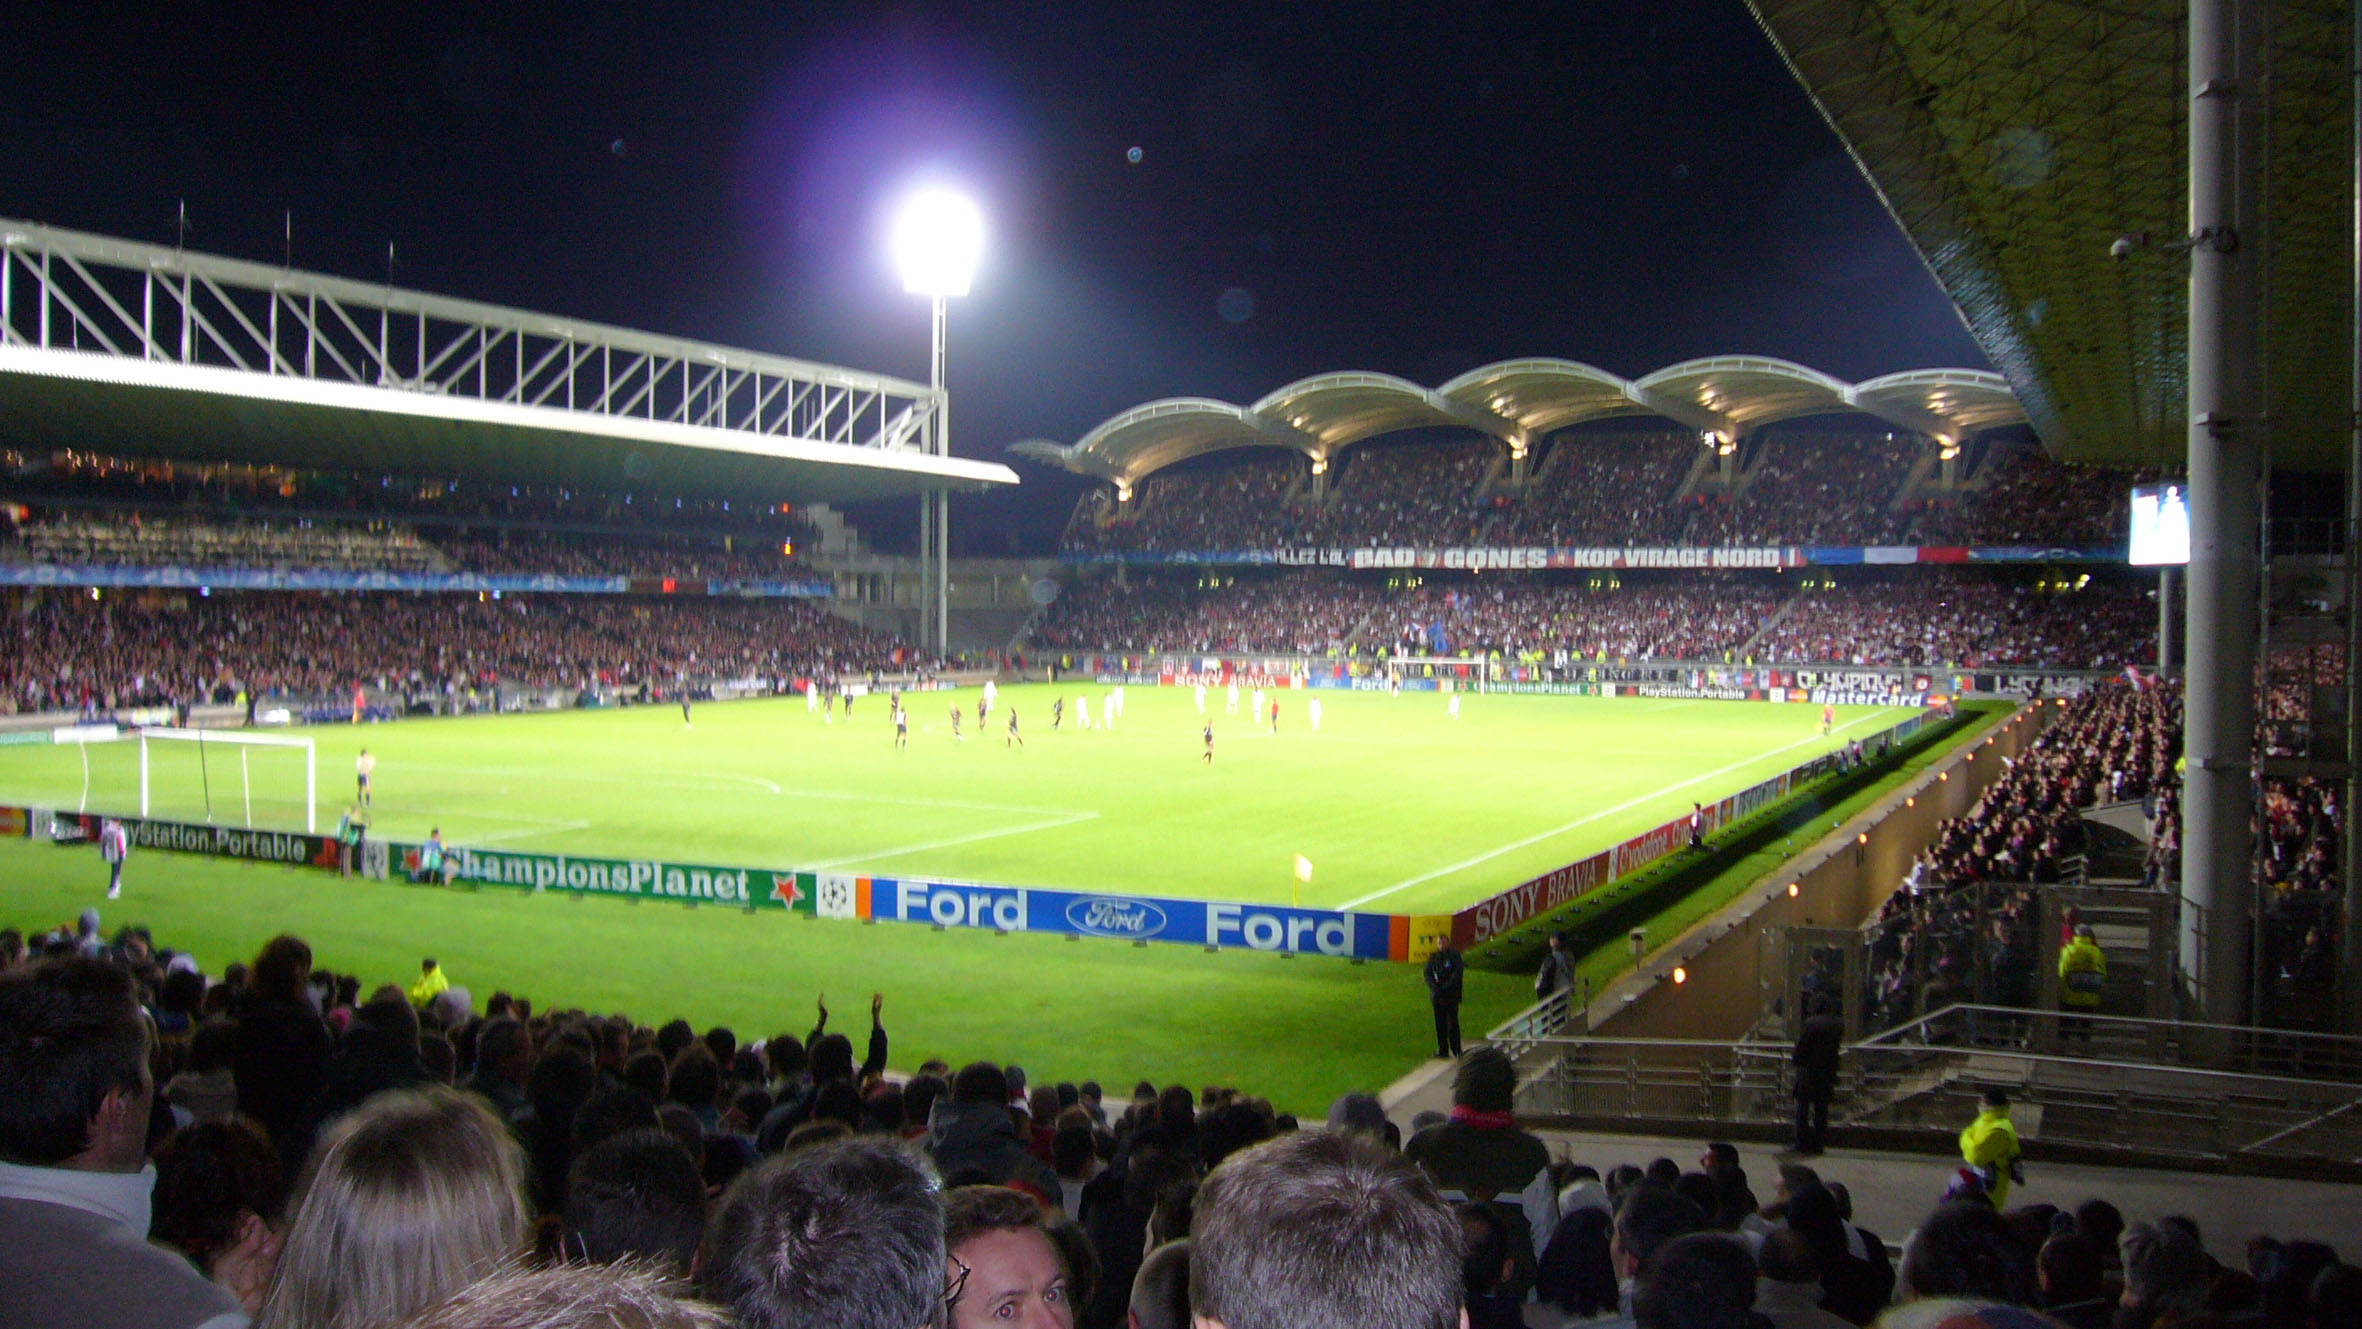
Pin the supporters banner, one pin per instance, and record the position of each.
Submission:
(15, 823)
(305, 579)
(1240, 924)
(632, 878)
(1537, 557)
(290, 847)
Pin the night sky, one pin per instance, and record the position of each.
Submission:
(1406, 188)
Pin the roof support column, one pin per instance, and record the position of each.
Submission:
(1320, 479)
(2225, 436)
(1520, 463)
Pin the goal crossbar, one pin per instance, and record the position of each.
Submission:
(1482, 672)
(85, 735)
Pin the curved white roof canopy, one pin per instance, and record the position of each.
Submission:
(1520, 402)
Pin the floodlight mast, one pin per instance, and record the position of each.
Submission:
(938, 237)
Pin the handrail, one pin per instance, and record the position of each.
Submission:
(2021, 1012)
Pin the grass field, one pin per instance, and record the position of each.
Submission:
(1399, 808)
(1389, 790)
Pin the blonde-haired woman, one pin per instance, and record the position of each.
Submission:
(409, 1198)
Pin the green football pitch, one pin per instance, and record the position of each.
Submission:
(1398, 806)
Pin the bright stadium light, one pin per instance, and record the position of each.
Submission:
(938, 239)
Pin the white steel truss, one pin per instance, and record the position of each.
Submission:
(66, 290)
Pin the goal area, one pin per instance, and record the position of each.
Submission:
(211, 775)
(1463, 673)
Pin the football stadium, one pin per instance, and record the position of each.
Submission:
(542, 782)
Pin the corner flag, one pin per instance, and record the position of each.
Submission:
(1303, 868)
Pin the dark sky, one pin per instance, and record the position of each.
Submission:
(1415, 189)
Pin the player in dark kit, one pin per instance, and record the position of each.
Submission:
(955, 719)
(1208, 759)
(1275, 715)
(684, 706)
(1697, 825)
(1013, 737)
(983, 708)
(1057, 712)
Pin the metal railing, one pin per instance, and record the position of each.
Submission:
(2273, 1097)
(66, 290)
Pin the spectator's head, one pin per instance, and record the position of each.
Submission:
(503, 1051)
(2103, 1226)
(1003, 1265)
(573, 1296)
(831, 1058)
(1648, 1219)
(2067, 1270)
(213, 1047)
(783, 1054)
(1705, 1280)
(843, 1235)
(218, 1187)
(1663, 1172)
(1786, 1257)
(694, 1080)
(1995, 1100)
(1485, 1081)
(1176, 1109)
(1160, 1291)
(635, 1195)
(2335, 1300)
(2164, 1269)
(1484, 1249)
(281, 969)
(920, 1093)
(1357, 1112)
(673, 1036)
(610, 1111)
(1966, 1250)
(1073, 1150)
(1719, 1155)
(408, 1198)
(75, 1091)
(1322, 1230)
(645, 1072)
(980, 1082)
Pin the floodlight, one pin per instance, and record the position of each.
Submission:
(938, 238)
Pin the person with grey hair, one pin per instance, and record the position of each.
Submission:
(1788, 1283)
(1479, 1153)
(842, 1235)
(573, 1296)
(1322, 1230)
(1357, 1112)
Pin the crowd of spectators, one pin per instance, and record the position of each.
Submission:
(83, 480)
(2025, 498)
(1297, 613)
(69, 654)
(1814, 489)
(530, 552)
(1705, 616)
(188, 1151)
(154, 540)
(1922, 617)
(1614, 489)
(1943, 618)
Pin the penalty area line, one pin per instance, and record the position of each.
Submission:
(898, 851)
(1626, 805)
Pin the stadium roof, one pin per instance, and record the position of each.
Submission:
(1520, 402)
(2015, 140)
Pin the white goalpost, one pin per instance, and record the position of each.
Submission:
(1481, 673)
(209, 745)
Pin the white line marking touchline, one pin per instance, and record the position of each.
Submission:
(900, 850)
(1382, 893)
(497, 836)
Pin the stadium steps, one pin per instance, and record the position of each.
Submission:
(1745, 648)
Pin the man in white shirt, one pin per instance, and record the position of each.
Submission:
(75, 1190)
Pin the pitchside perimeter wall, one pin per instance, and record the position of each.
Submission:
(981, 905)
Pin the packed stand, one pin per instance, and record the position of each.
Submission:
(2032, 500)
(1231, 503)
(186, 1152)
(534, 553)
(137, 540)
(1930, 617)
(1814, 489)
(1701, 618)
(1298, 613)
(66, 654)
(1611, 490)
(1406, 494)
(84, 480)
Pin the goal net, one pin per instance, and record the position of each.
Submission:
(1451, 673)
(226, 776)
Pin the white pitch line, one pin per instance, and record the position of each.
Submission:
(1604, 812)
(552, 829)
(900, 850)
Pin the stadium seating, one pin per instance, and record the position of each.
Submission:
(75, 656)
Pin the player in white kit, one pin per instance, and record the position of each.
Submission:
(1312, 713)
(1451, 709)
(1201, 699)
(1232, 708)
(1107, 711)
(1257, 711)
